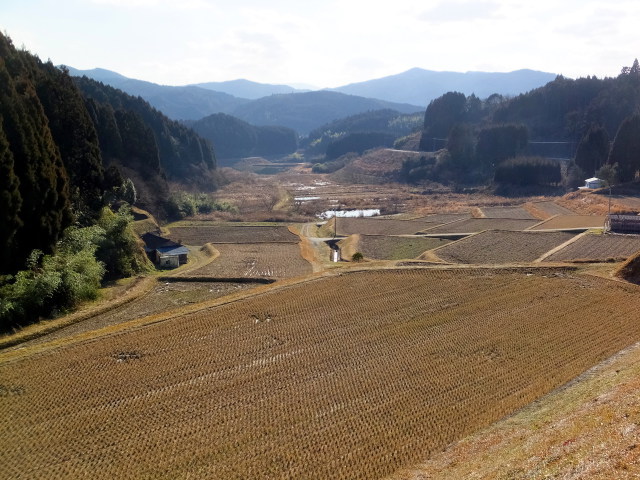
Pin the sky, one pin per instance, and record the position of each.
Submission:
(326, 43)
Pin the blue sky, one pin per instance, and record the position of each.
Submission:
(328, 43)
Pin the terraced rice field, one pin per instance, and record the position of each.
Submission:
(164, 297)
(444, 217)
(255, 260)
(507, 212)
(473, 225)
(598, 248)
(352, 376)
(225, 233)
(571, 221)
(380, 247)
(500, 247)
(552, 208)
(381, 226)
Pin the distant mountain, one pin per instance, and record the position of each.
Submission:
(179, 103)
(419, 87)
(248, 89)
(305, 111)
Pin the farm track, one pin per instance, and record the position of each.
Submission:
(348, 376)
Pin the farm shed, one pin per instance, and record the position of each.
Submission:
(623, 223)
(164, 252)
(592, 183)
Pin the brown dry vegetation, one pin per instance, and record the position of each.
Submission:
(352, 376)
(500, 247)
(586, 203)
(598, 247)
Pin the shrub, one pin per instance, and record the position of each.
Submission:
(357, 257)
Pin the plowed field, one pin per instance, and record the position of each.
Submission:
(473, 225)
(352, 376)
(224, 233)
(255, 260)
(598, 248)
(496, 247)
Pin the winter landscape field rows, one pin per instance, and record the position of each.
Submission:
(354, 375)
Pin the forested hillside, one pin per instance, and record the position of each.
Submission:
(385, 121)
(145, 145)
(576, 118)
(235, 138)
(67, 157)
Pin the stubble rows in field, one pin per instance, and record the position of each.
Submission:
(255, 260)
(473, 225)
(164, 297)
(507, 212)
(352, 376)
(550, 208)
(571, 221)
(598, 247)
(381, 226)
(380, 247)
(225, 233)
(499, 247)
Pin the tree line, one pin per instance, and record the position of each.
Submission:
(71, 151)
(481, 137)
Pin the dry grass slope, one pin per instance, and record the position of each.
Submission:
(350, 376)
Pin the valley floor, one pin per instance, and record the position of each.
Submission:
(462, 346)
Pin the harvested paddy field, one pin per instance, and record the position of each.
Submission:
(593, 247)
(444, 217)
(499, 247)
(507, 212)
(350, 376)
(473, 225)
(565, 222)
(381, 226)
(255, 260)
(380, 247)
(550, 208)
(225, 233)
(164, 297)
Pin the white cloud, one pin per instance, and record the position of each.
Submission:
(461, 11)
